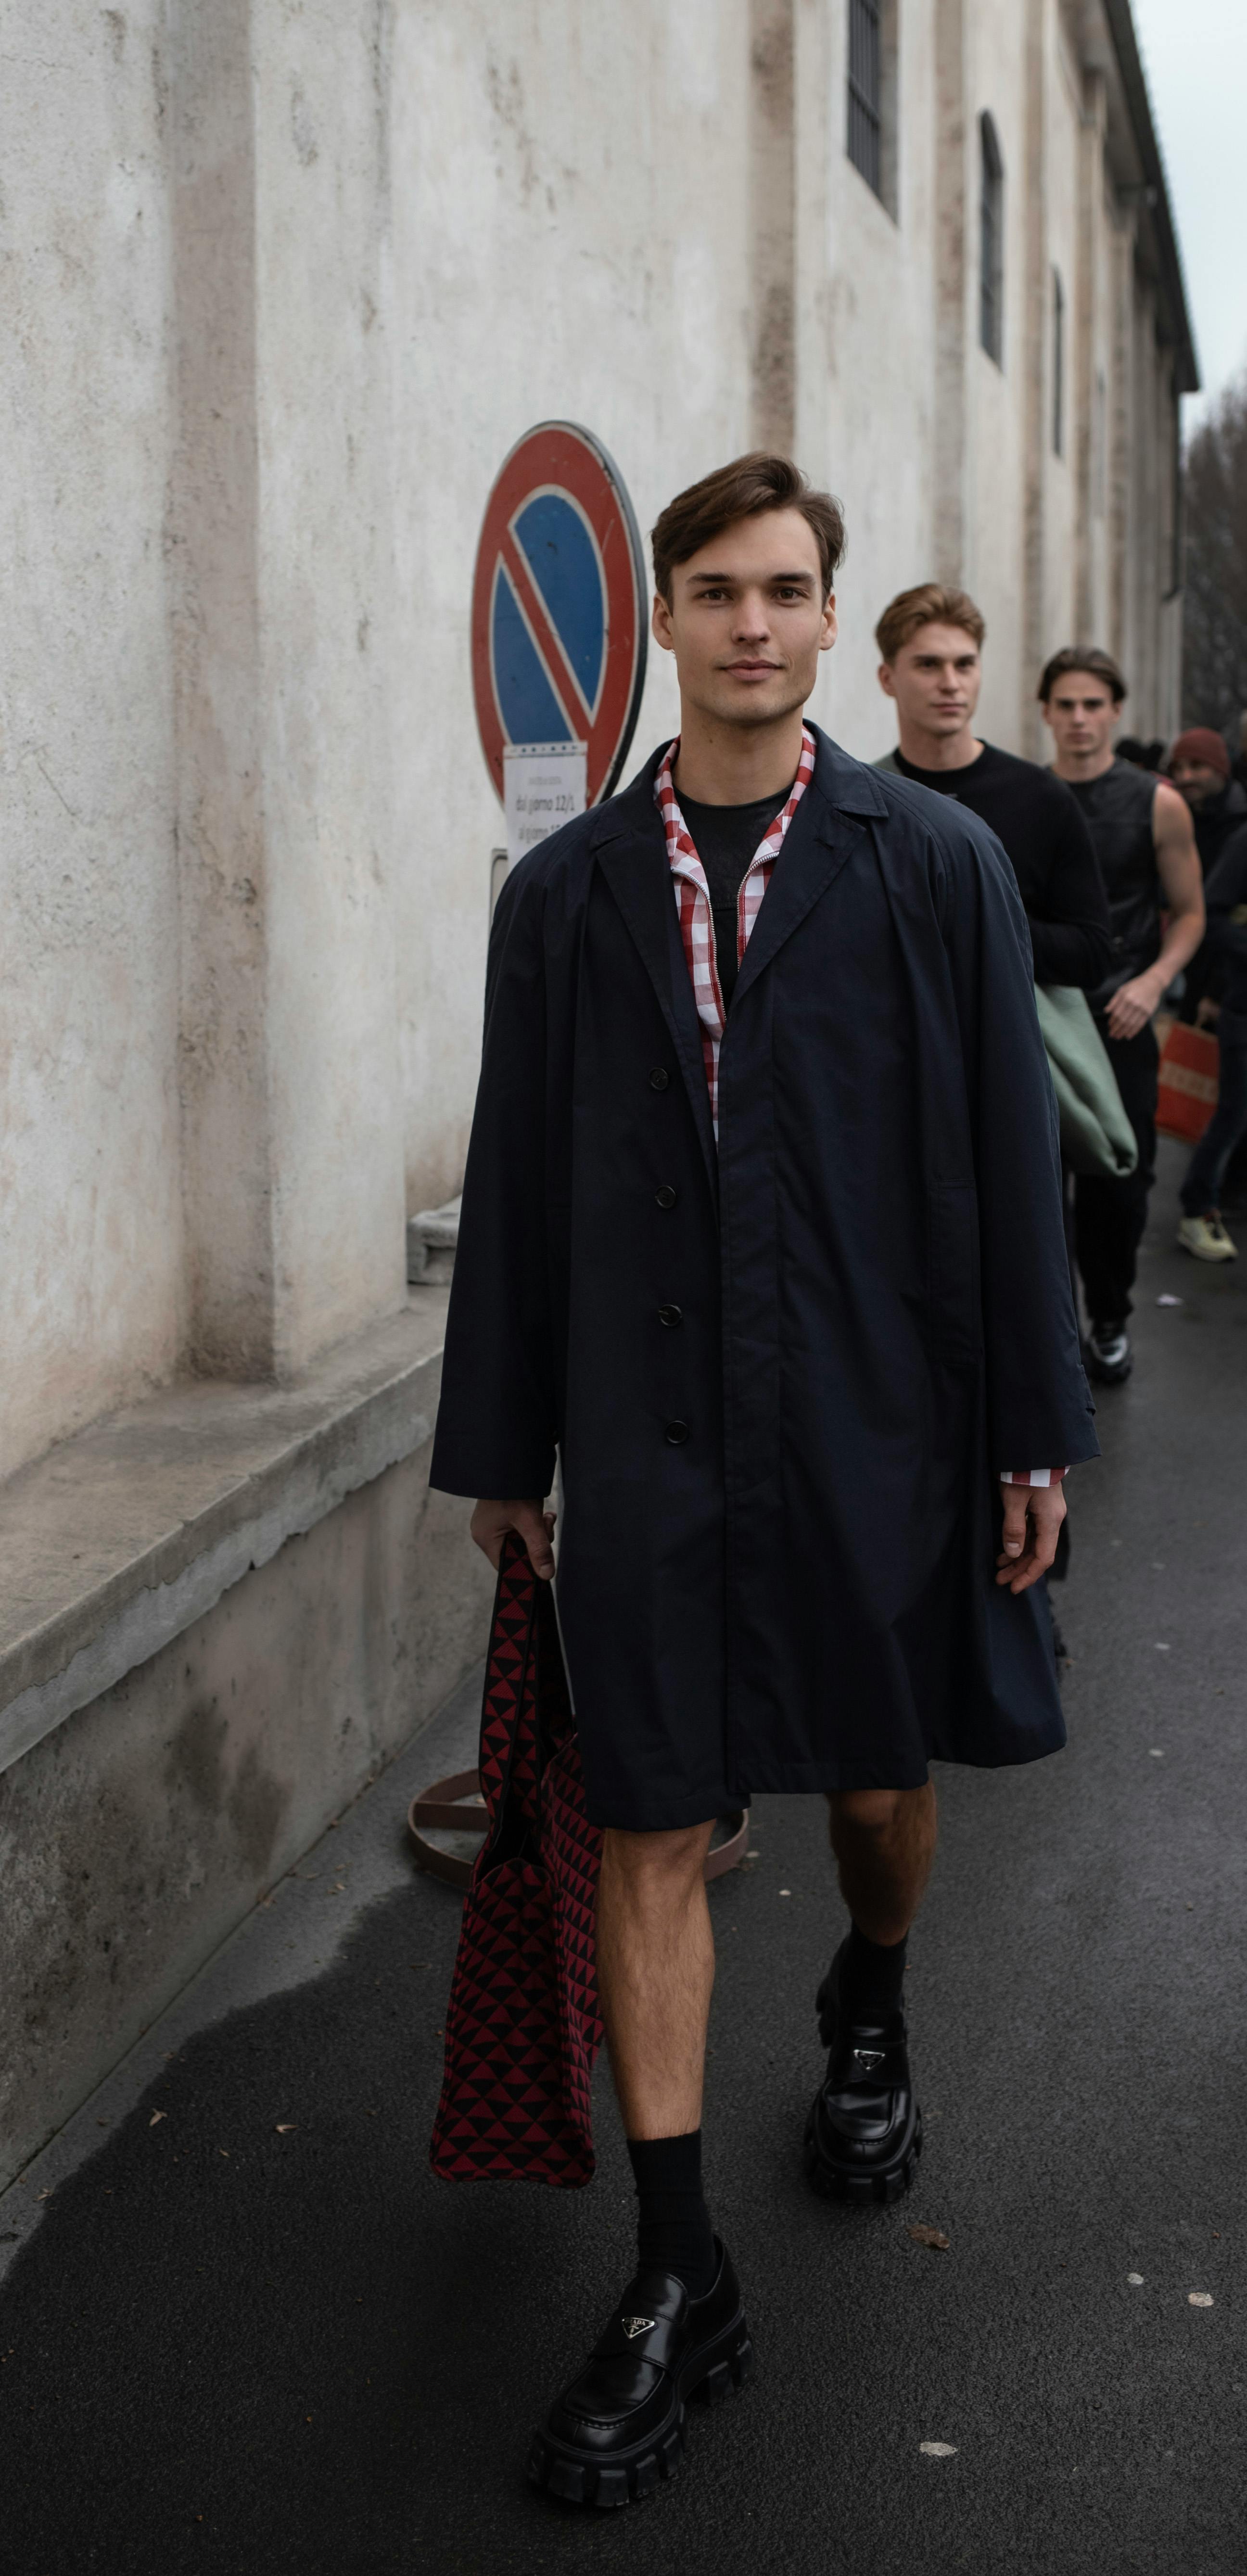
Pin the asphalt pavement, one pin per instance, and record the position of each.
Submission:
(244, 2331)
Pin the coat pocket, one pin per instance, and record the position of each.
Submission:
(953, 1282)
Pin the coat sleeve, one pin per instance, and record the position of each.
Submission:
(497, 1419)
(1039, 1405)
(1072, 930)
(1225, 894)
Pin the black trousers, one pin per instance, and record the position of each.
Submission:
(1110, 1215)
(1210, 1161)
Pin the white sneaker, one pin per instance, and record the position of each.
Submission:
(1206, 1237)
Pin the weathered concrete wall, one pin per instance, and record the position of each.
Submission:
(137, 1835)
(323, 165)
(293, 1183)
(90, 1309)
(868, 405)
(571, 237)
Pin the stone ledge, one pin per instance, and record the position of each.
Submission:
(122, 1536)
(431, 1239)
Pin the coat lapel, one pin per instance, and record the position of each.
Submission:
(631, 852)
(817, 843)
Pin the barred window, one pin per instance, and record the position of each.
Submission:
(991, 241)
(871, 139)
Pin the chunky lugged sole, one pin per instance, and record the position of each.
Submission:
(891, 2182)
(842, 2183)
(624, 2479)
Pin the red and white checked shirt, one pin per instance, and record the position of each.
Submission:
(692, 903)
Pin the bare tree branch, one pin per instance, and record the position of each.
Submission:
(1214, 672)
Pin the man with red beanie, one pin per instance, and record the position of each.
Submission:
(1199, 766)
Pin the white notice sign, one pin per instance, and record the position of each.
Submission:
(544, 785)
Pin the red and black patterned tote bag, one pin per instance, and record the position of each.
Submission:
(523, 2027)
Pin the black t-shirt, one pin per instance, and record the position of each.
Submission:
(726, 838)
(1037, 821)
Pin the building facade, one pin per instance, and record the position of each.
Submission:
(285, 280)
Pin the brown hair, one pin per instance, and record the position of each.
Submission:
(1082, 657)
(743, 490)
(929, 605)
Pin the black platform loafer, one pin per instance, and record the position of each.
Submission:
(864, 2133)
(619, 2427)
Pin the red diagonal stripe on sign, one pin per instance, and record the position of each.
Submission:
(558, 669)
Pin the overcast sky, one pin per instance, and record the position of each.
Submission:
(1195, 53)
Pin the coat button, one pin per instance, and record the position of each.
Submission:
(670, 1314)
(659, 1078)
(665, 1197)
(676, 1434)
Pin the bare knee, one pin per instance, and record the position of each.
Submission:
(874, 1815)
(867, 1811)
(656, 1865)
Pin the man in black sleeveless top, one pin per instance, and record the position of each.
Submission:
(1146, 848)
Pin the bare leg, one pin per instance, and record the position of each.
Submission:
(606, 2438)
(655, 1973)
(884, 1842)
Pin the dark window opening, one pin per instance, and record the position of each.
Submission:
(991, 242)
(866, 92)
(871, 139)
(1058, 364)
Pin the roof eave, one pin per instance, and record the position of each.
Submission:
(1169, 257)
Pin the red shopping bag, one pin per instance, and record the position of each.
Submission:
(1187, 1091)
(523, 2026)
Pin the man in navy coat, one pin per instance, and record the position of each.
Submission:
(762, 1237)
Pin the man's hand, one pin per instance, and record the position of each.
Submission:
(1207, 1012)
(1028, 1552)
(1130, 1009)
(491, 1521)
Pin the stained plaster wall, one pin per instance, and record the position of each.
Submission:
(280, 588)
(91, 1296)
(1063, 257)
(867, 385)
(996, 403)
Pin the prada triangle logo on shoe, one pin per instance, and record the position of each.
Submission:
(869, 2058)
(634, 2326)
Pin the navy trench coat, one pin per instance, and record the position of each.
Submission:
(781, 1378)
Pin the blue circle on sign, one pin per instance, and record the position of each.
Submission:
(559, 553)
(558, 606)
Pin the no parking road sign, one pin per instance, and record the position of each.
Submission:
(558, 608)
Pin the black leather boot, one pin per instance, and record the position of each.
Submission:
(619, 2427)
(864, 2132)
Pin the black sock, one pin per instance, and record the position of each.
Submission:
(673, 2221)
(870, 1977)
